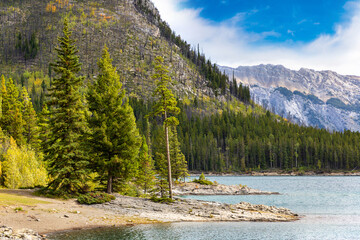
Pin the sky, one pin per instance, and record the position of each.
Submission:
(316, 34)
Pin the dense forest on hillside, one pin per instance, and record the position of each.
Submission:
(241, 142)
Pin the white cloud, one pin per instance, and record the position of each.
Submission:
(228, 44)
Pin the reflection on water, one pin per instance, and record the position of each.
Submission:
(222, 230)
(331, 206)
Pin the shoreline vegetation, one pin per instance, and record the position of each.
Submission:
(280, 173)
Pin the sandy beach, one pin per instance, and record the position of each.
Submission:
(45, 215)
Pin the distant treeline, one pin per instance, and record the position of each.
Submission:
(235, 142)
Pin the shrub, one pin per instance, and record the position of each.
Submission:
(95, 198)
(50, 193)
(202, 180)
(161, 199)
(126, 188)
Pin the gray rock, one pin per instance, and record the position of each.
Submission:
(25, 234)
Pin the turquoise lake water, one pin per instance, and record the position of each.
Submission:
(330, 206)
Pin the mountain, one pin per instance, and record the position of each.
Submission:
(321, 99)
(132, 30)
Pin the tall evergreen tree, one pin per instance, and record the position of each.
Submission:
(114, 139)
(146, 174)
(12, 121)
(178, 162)
(162, 185)
(165, 105)
(65, 152)
(43, 123)
(31, 129)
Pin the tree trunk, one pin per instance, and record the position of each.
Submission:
(168, 158)
(109, 184)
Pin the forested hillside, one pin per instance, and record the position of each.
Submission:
(240, 141)
(219, 128)
(30, 29)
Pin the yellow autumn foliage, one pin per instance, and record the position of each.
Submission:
(21, 167)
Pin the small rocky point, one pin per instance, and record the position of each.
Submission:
(189, 210)
(191, 188)
(26, 234)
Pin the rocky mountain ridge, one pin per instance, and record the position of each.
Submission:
(323, 84)
(321, 99)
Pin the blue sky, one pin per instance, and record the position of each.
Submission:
(288, 21)
(318, 34)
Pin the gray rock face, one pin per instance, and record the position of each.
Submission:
(321, 99)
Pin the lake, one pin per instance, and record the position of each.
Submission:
(330, 205)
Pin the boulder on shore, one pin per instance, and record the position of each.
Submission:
(9, 233)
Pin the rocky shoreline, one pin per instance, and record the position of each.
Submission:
(26, 234)
(195, 210)
(52, 215)
(191, 188)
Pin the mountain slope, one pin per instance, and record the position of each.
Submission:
(323, 99)
(132, 30)
(133, 42)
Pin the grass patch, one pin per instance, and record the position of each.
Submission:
(13, 199)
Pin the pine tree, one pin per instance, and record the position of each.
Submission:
(178, 162)
(31, 129)
(65, 153)
(148, 136)
(165, 105)
(114, 139)
(43, 123)
(162, 185)
(12, 121)
(146, 174)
